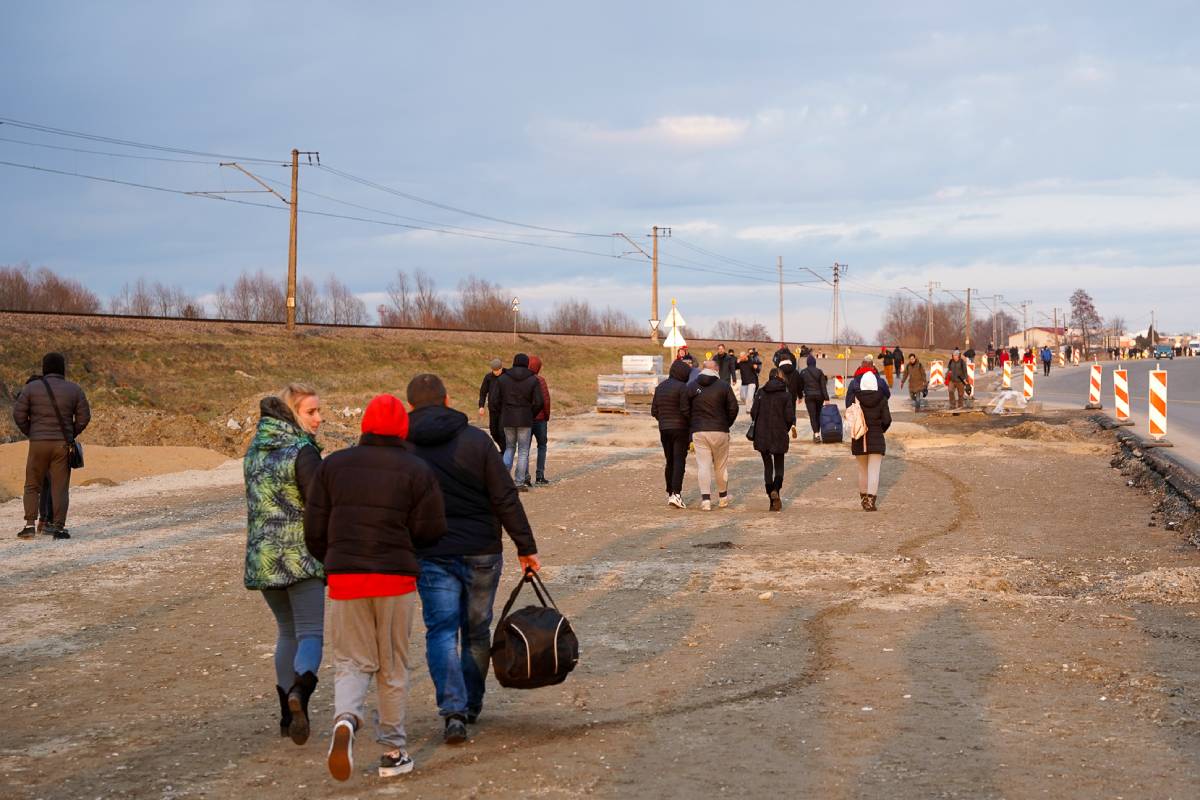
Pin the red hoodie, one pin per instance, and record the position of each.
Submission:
(865, 368)
(535, 364)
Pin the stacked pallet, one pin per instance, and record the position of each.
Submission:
(633, 389)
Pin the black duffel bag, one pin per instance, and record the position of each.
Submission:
(534, 646)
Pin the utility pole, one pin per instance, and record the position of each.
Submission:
(929, 315)
(656, 232)
(1025, 320)
(997, 324)
(781, 299)
(838, 271)
(967, 322)
(291, 280)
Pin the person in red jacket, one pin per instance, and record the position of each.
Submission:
(540, 422)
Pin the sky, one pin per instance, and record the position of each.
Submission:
(1020, 149)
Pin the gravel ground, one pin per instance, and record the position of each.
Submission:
(1008, 625)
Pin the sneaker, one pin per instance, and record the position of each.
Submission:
(706, 505)
(676, 501)
(456, 730)
(341, 751)
(395, 763)
(28, 532)
(58, 532)
(473, 717)
(723, 502)
(816, 438)
(541, 481)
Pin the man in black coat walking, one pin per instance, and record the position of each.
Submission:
(460, 572)
(773, 415)
(485, 393)
(519, 396)
(673, 428)
(815, 387)
(711, 408)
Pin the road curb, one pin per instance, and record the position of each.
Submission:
(1178, 477)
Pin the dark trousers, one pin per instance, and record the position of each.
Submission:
(675, 448)
(772, 471)
(814, 404)
(1045, 367)
(496, 429)
(47, 460)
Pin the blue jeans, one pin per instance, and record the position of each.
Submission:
(457, 593)
(300, 616)
(517, 439)
(539, 433)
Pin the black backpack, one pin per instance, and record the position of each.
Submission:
(534, 646)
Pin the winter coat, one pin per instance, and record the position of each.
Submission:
(478, 492)
(852, 386)
(774, 414)
(371, 506)
(710, 406)
(956, 370)
(518, 395)
(791, 378)
(280, 465)
(885, 358)
(535, 364)
(1047, 354)
(783, 354)
(667, 405)
(914, 374)
(35, 417)
(726, 366)
(879, 419)
(485, 388)
(747, 371)
(897, 357)
(814, 384)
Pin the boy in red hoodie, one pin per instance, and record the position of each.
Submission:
(369, 508)
(540, 422)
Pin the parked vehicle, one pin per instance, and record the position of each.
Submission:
(1194, 348)
(1164, 351)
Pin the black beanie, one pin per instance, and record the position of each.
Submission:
(54, 364)
(520, 360)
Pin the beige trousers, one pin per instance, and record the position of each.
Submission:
(712, 458)
(868, 472)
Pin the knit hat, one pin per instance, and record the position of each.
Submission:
(785, 363)
(868, 382)
(868, 359)
(810, 361)
(496, 363)
(957, 352)
(385, 416)
(54, 364)
(520, 360)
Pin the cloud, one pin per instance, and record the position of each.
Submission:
(697, 131)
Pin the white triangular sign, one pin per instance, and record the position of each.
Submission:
(675, 319)
(654, 324)
(675, 339)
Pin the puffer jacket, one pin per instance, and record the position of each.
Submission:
(814, 384)
(710, 405)
(774, 414)
(666, 407)
(956, 370)
(914, 374)
(518, 395)
(279, 466)
(35, 417)
(879, 419)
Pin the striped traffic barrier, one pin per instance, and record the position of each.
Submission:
(1062, 359)
(1028, 382)
(1075, 358)
(937, 374)
(839, 385)
(971, 373)
(1121, 396)
(1006, 380)
(1158, 408)
(1094, 387)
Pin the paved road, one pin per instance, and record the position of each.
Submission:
(1069, 386)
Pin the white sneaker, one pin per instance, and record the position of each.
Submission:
(723, 502)
(706, 505)
(676, 501)
(341, 750)
(397, 762)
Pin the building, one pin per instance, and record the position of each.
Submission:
(1038, 337)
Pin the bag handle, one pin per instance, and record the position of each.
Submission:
(531, 577)
(62, 424)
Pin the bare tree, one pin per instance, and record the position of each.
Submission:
(344, 307)
(257, 298)
(22, 289)
(483, 305)
(852, 337)
(736, 330)
(1084, 317)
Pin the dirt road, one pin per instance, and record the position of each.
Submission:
(1006, 626)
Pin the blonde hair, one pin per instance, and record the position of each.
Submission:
(293, 394)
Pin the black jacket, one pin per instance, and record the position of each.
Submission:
(485, 388)
(879, 419)
(667, 407)
(791, 378)
(35, 417)
(774, 414)
(710, 405)
(370, 508)
(747, 372)
(726, 365)
(518, 395)
(814, 383)
(478, 492)
(897, 357)
(781, 354)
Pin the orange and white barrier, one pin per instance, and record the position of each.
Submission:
(1075, 358)
(1062, 359)
(839, 385)
(1028, 382)
(937, 374)
(1121, 396)
(1158, 406)
(1094, 387)
(971, 373)
(1006, 380)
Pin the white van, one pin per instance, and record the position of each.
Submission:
(1194, 347)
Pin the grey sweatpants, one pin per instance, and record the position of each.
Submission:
(370, 638)
(712, 459)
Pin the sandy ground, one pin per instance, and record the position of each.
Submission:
(1006, 626)
(106, 466)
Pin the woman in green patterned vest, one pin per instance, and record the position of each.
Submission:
(282, 459)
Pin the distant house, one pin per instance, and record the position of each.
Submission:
(1038, 337)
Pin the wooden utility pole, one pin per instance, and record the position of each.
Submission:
(291, 279)
(929, 315)
(838, 271)
(654, 287)
(781, 299)
(967, 322)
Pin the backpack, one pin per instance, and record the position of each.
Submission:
(856, 421)
(536, 645)
(831, 424)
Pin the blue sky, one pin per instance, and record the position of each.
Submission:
(1016, 148)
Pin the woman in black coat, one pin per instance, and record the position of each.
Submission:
(868, 451)
(774, 414)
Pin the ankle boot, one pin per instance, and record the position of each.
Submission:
(776, 503)
(285, 713)
(862, 498)
(297, 699)
(870, 506)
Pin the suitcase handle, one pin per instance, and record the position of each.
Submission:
(533, 579)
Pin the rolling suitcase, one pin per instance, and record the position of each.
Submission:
(831, 424)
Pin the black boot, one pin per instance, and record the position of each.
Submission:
(285, 713)
(297, 700)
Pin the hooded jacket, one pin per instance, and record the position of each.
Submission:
(518, 395)
(956, 370)
(852, 386)
(781, 354)
(478, 493)
(774, 414)
(711, 405)
(35, 417)
(279, 465)
(791, 377)
(726, 365)
(667, 405)
(813, 382)
(879, 418)
(914, 374)
(535, 364)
